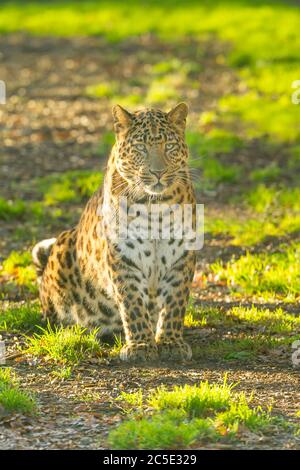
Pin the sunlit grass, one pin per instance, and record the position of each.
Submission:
(69, 187)
(263, 198)
(152, 86)
(117, 346)
(216, 172)
(267, 274)
(267, 68)
(67, 345)
(272, 321)
(268, 94)
(187, 415)
(196, 401)
(256, 113)
(104, 89)
(174, 65)
(250, 231)
(170, 19)
(20, 270)
(12, 399)
(268, 211)
(162, 90)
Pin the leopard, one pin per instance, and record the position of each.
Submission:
(126, 283)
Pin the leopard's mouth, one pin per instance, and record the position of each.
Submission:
(157, 188)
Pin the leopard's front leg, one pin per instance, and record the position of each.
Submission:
(174, 297)
(132, 300)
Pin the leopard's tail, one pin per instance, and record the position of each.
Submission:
(40, 255)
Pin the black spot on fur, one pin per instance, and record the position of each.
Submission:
(90, 289)
(89, 309)
(69, 260)
(76, 296)
(108, 312)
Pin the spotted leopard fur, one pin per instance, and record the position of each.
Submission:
(140, 286)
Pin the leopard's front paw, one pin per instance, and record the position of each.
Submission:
(139, 352)
(176, 350)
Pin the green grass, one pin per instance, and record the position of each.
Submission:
(195, 401)
(162, 90)
(264, 198)
(11, 209)
(68, 345)
(53, 191)
(20, 210)
(163, 431)
(257, 59)
(152, 87)
(12, 399)
(20, 318)
(212, 143)
(251, 231)
(276, 321)
(274, 329)
(63, 373)
(270, 275)
(189, 415)
(256, 115)
(242, 347)
(216, 172)
(116, 21)
(107, 140)
(205, 150)
(104, 89)
(69, 187)
(267, 174)
(294, 158)
(20, 270)
(268, 211)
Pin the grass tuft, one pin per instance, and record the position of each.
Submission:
(188, 415)
(67, 345)
(11, 397)
(196, 401)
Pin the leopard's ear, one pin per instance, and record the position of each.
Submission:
(122, 118)
(178, 115)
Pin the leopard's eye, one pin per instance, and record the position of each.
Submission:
(141, 148)
(171, 146)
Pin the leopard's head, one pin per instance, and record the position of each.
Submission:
(151, 153)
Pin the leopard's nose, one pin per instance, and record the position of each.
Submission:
(157, 173)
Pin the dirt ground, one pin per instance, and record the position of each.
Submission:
(50, 125)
